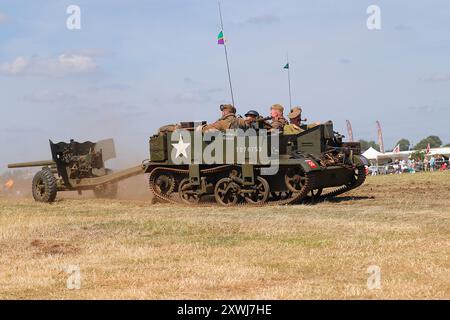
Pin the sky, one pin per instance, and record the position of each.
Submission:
(137, 65)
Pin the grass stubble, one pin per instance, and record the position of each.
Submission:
(131, 249)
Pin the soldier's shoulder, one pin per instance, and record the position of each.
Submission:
(228, 116)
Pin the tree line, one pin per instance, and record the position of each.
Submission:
(405, 144)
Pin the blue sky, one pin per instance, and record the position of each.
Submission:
(136, 65)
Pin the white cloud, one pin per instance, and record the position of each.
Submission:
(64, 64)
(75, 63)
(15, 67)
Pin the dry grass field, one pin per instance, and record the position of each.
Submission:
(131, 249)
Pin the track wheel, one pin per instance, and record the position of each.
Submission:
(261, 192)
(165, 184)
(315, 193)
(44, 186)
(359, 175)
(107, 190)
(295, 179)
(227, 192)
(187, 193)
(279, 195)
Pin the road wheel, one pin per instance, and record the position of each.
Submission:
(188, 193)
(44, 186)
(295, 179)
(261, 192)
(226, 192)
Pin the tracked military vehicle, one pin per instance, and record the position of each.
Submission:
(77, 166)
(311, 164)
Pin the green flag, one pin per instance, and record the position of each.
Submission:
(286, 66)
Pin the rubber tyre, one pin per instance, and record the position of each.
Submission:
(44, 186)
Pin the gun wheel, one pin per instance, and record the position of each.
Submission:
(295, 180)
(44, 186)
(227, 192)
(260, 193)
(187, 193)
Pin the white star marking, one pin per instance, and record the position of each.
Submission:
(181, 147)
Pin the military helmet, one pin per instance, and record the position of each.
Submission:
(278, 107)
(228, 107)
(252, 113)
(295, 112)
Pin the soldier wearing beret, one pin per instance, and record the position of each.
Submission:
(278, 120)
(227, 121)
(294, 121)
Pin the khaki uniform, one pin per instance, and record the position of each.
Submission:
(168, 128)
(292, 129)
(230, 121)
(279, 123)
(312, 125)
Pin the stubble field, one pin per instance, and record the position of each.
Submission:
(131, 249)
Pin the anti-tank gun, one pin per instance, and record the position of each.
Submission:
(77, 166)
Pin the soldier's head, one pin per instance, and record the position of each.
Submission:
(252, 115)
(227, 109)
(295, 115)
(276, 111)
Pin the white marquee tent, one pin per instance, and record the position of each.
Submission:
(371, 154)
(377, 157)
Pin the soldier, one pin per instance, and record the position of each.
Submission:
(251, 116)
(278, 120)
(294, 118)
(252, 120)
(168, 128)
(227, 121)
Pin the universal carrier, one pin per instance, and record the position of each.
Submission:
(314, 163)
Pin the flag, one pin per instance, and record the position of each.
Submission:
(397, 149)
(428, 148)
(220, 39)
(286, 66)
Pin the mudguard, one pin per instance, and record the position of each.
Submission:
(360, 160)
(309, 165)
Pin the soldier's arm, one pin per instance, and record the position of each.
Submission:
(277, 125)
(244, 124)
(216, 126)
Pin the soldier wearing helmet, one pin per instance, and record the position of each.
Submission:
(251, 115)
(227, 121)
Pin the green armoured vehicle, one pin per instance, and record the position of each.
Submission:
(307, 163)
(76, 167)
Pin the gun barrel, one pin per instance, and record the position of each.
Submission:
(43, 163)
